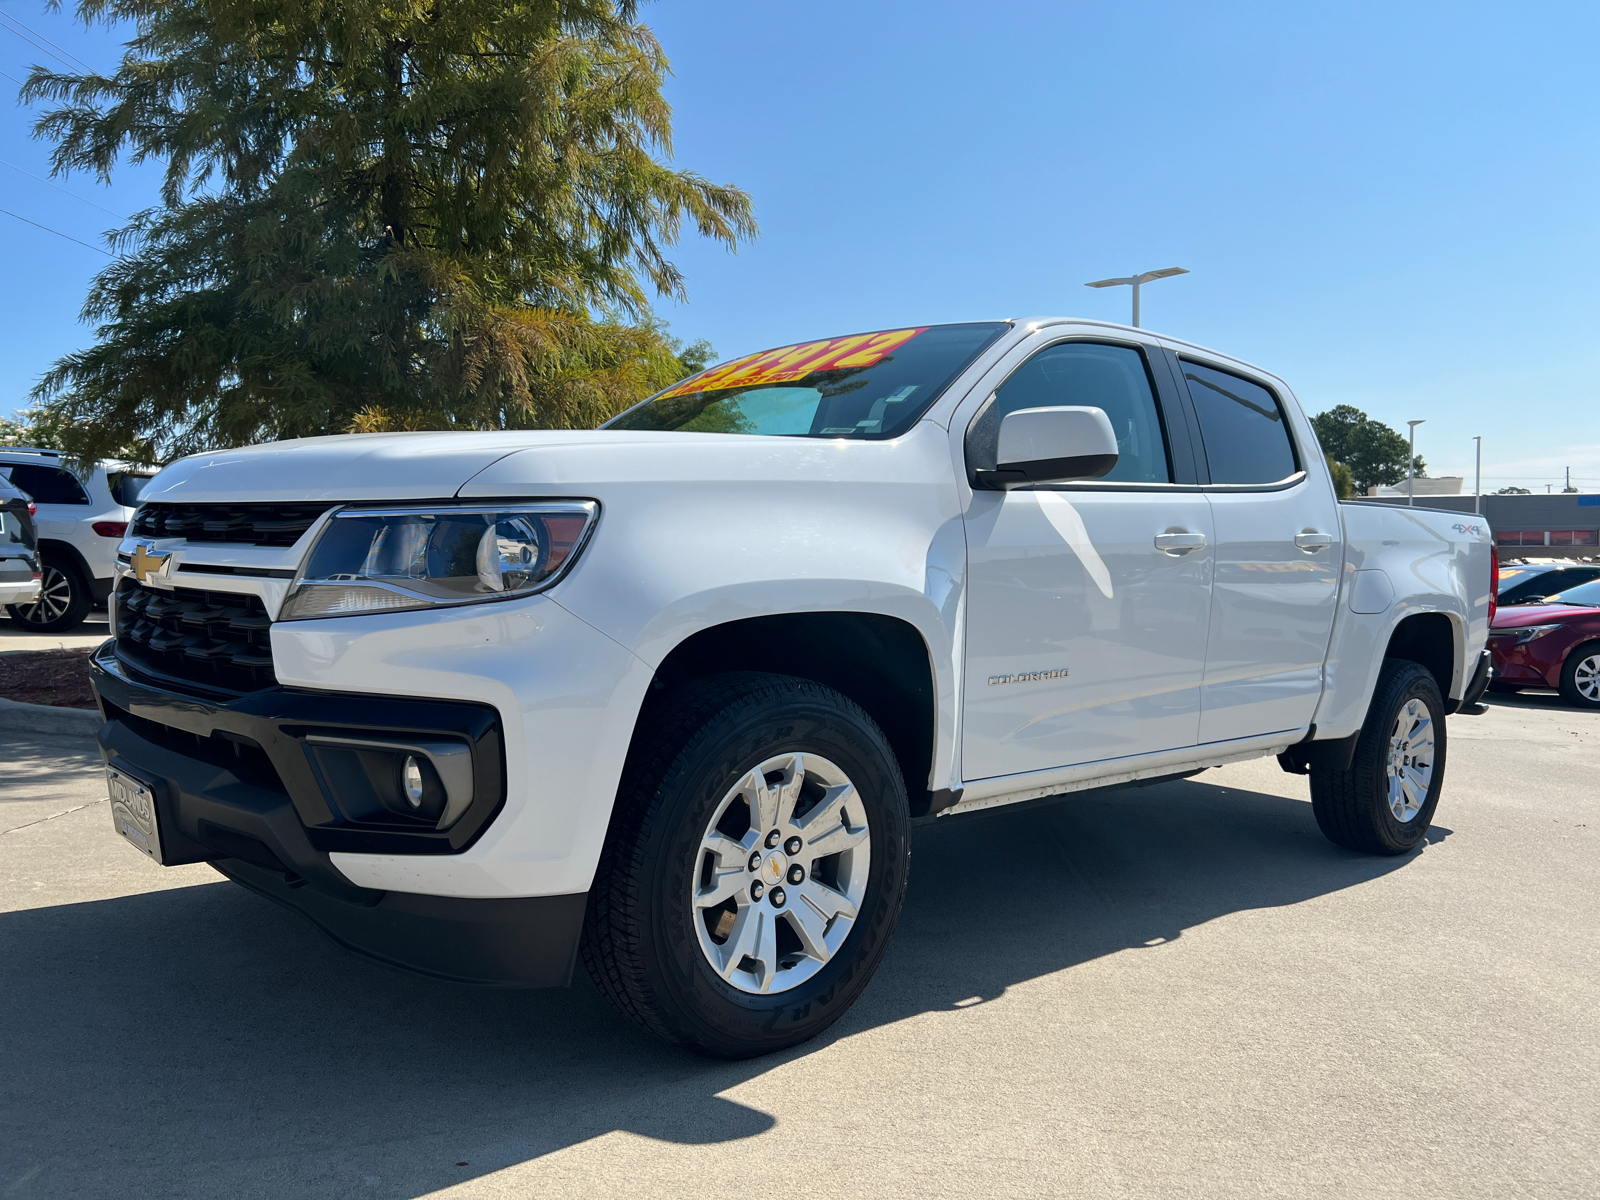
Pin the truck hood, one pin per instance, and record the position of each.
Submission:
(436, 466)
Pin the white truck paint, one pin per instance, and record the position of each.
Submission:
(651, 691)
(1264, 638)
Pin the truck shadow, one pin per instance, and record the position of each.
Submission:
(202, 1041)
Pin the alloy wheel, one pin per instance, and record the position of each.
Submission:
(1410, 764)
(55, 597)
(781, 873)
(1586, 678)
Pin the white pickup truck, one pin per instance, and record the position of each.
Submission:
(668, 696)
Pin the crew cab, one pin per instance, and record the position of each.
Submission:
(668, 696)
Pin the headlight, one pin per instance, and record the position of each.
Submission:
(1528, 632)
(384, 559)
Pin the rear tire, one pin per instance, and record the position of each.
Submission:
(1580, 676)
(683, 930)
(1385, 802)
(64, 598)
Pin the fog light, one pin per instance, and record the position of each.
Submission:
(411, 781)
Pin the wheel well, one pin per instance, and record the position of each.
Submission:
(67, 551)
(879, 662)
(1429, 639)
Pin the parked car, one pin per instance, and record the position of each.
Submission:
(19, 563)
(80, 520)
(1555, 643)
(1531, 583)
(668, 695)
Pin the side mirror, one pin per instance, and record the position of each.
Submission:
(1059, 444)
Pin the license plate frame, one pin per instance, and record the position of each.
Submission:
(133, 813)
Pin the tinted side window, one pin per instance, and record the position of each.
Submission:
(48, 485)
(1242, 425)
(126, 487)
(1113, 378)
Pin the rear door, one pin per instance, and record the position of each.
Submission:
(1087, 603)
(1279, 550)
(59, 498)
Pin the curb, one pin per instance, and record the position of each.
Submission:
(47, 718)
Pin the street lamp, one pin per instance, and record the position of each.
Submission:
(1477, 481)
(1135, 281)
(1411, 464)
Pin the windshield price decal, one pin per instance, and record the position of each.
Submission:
(788, 363)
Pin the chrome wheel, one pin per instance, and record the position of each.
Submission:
(781, 873)
(55, 597)
(1586, 678)
(1410, 765)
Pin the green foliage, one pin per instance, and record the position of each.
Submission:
(1513, 491)
(695, 357)
(1344, 483)
(379, 214)
(1375, 454)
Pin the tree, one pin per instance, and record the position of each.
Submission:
(1375, 454)
(384, 215)
(1343, 482)
(1513, 491)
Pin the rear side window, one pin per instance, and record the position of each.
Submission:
(1242, 425)
(47, 485)
(1112, 378)
(126, 487)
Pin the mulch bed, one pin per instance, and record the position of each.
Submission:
(58, 677)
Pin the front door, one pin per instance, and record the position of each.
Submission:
(1087, 603)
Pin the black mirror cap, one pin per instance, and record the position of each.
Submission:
(1079, 468)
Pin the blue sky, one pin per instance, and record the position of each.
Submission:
(1394, 206)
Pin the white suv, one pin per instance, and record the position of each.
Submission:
(80, 517)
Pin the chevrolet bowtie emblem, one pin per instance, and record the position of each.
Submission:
(146, 562)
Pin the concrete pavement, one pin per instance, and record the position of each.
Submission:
(1171, 992)
(14, 635)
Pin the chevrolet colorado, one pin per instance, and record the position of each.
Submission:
(668, 696)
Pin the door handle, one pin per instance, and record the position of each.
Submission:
(1312, 540)
(1179, 541)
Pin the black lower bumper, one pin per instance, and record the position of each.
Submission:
(234, 786)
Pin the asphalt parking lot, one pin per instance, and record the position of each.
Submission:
(1169, 992)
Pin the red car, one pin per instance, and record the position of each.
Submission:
(1553, 643)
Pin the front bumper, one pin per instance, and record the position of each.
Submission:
(235, 786)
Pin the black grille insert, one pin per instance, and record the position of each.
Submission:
(218, 640)
(254, 524)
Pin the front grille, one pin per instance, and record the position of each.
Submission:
(253, 524)
(218, 640)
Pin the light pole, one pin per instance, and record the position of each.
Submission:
(1135, 281)
(1477, 481)
(1411, 464)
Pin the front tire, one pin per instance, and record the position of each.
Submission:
(64, 599)
(1385, 802)
(755, 868)
(1580, 676)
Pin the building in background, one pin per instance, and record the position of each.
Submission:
(1551, 526)
(1443, 485)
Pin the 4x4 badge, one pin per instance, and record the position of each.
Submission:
(147, 563)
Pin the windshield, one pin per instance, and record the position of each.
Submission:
(1586, 594)
(866, 385)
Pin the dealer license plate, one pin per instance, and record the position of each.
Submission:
(133, 812)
